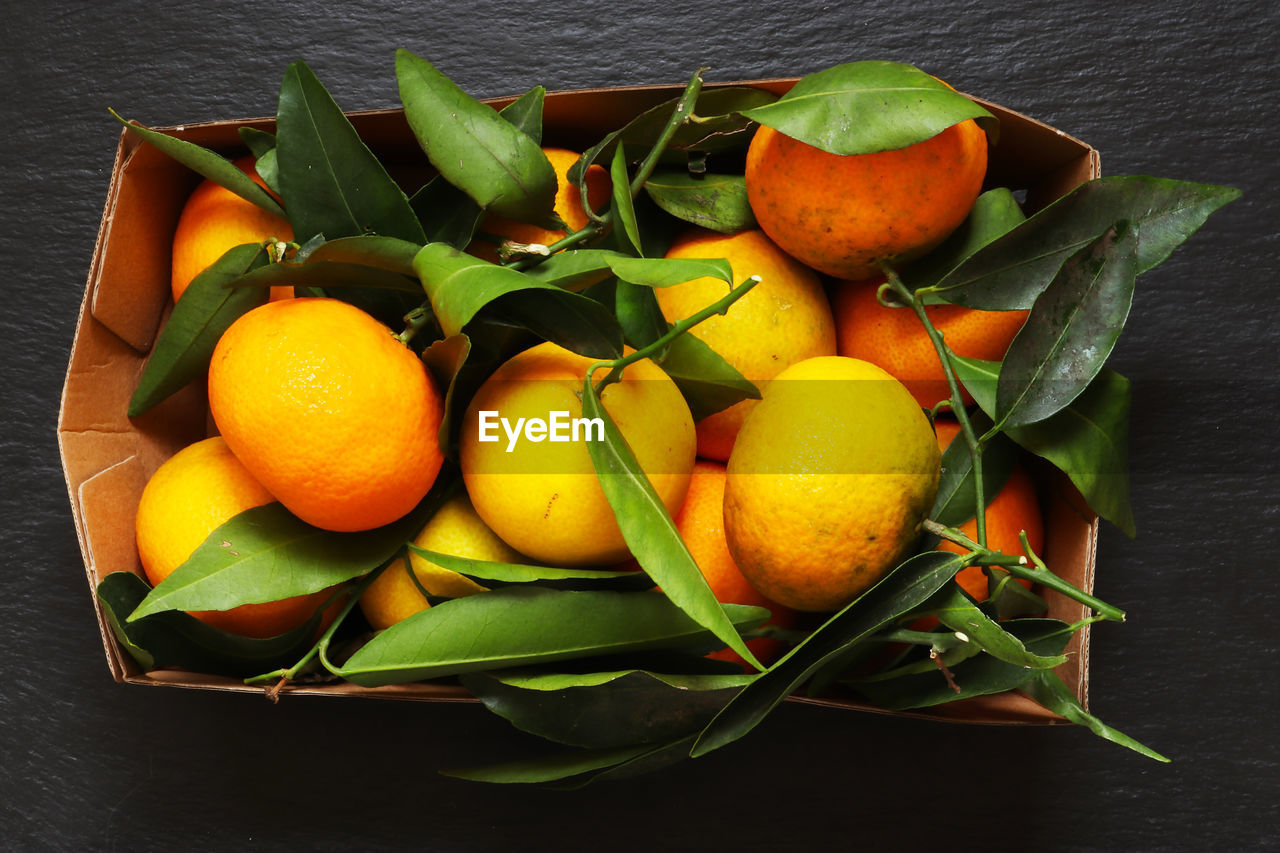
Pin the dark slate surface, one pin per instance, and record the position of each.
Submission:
(1177, 88)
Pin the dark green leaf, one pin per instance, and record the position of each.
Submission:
(606, 709)
(537, 626)
(1012, 270)
(956, 501)
(1088, 440)
(267, 554)
(978, 676)
(207, 308)
(178, 639)
(461, 286)
(958, 612)
(575, 269)
(498, 165)
(720, 127)
(708, 382)
(213, 166)
(718, 202)
(624, 211)
(448, 215)
(1048, 689)
(491, 573)
(903, 589)
(1070, 331)
(331, 182)
(648, 529)
(994, 214)
(863, 107)
(638, 314)
(258, 142)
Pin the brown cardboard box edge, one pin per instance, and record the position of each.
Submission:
(107, 457)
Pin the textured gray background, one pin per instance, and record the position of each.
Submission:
(1180, 88)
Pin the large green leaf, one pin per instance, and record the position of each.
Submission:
(906, 587)
(648, 529)
(206, 310)
(460, 286)
(1070, 331)
(331, 182)
(708, 382)
(995, 213)
(267, 554)
(718, 202)
(495, 163)
(213, 166)
(493, 573)
(606, 709)
(176, 639)
(524, 625)
(983, 675)
(624, 211)
(1048, 689)
(863, 107)
(1009, 272)
(958, 612)
(449, 215)
(1088, 440)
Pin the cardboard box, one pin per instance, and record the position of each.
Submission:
(107, 457)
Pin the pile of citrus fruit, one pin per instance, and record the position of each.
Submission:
(614, 391)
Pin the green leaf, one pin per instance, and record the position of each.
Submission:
(623, 208)
(263, 147)
(1048, 689)
(176, 639)
(213, 166)
(1012, 270)
(460, 286)
(498, 165)
(493, 573)
(267, 554)
(639, 315)
(538, 626)
(648, 530)
(995, 213)
(207, 308)
(609, 709)
(906, 587)
(575, 269)
(1070, 331)
(959, 613)
(983, 675)
(718, 202)
(720, 127)
(1088, 440)
(449, 215)
(956, 501)
(708, 382)
(863, 107)
(666, 272)
(331, 182)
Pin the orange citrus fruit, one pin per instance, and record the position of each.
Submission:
(336, 417)
(894, 338)
(829, 481)
(700, 523)
(540, 494)
(213, 220)
(455, 529)
(784, 319)
(1014, 508)
(840, 214)
(194, 492)
(568, 207)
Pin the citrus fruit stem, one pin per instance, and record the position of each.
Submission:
(720, 306)
(956, 403)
